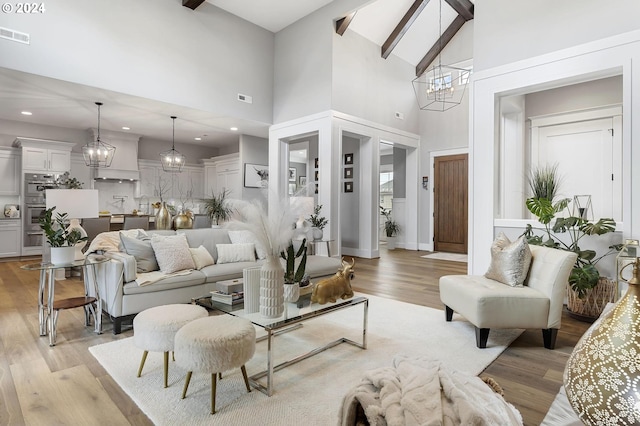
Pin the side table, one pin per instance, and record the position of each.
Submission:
(316, 242)
(48, 313)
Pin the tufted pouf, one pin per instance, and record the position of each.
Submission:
(154, 329)
(213, 345)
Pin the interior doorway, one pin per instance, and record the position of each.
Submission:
(450, 207)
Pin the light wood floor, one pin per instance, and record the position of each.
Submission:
(40, 385)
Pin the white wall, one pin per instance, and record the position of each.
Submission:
(10, 129)
(253, 150)
(508, 31)
(366, 85)
(350, 202)
(155, 49)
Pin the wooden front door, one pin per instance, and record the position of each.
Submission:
(450, 208)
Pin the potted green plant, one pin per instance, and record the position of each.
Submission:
(391, 228)
(584, 277)
(60, 238)
(295, 278)
(217, 208)
(317, 223)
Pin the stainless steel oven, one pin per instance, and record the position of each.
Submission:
(35, 186)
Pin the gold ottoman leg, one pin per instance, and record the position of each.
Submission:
(166, 368)
(186, 384)
(246, 379)
(144, 358)
(213, 393)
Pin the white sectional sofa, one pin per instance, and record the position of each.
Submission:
(122, 297)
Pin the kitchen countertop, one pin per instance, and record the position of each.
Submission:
(9, 218)
(119, 218)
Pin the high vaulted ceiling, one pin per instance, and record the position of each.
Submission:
(409, 29)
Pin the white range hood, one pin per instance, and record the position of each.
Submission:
(125, 160)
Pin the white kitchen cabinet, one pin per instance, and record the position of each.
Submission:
(80, 171)
(41, 155)
(222, 173)
(147, 186)
(187, 184)
(48, 160)
(9, 237)
(196, 178)
(9, 172)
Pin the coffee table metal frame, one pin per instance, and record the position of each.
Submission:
(48, 312)
(285, 324)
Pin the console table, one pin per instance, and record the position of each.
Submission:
(48, 312)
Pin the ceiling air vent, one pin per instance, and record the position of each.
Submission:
(13, 35)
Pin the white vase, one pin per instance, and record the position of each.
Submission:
(271, 288)
(251, 286)
(291, 292)
(317, 233)
(391, 243)
(63, 255)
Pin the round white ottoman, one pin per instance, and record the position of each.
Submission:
(154, 329)
(213, 345)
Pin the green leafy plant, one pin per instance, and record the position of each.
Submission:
(390, 226)
(544, 182)
(316, 220)
(584, 275)
(56, 231)
(217, 208)
(292, 275)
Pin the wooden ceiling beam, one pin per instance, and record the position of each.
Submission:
(343, 23)
(192, 4)
(402, 27)
(440, 44)
(463, 7)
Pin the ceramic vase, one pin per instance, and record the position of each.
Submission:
(271, 288)
(183, 221)
(291, 292)
(251, 287)
(63, 255)
(163, 217)
(603, 371)
(317, 233)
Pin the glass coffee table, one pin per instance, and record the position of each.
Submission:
(291, 319)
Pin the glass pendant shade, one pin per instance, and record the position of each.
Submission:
(172, 161)
(98, 153)
(602, 375)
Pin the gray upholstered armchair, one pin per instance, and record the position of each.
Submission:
(490, 304)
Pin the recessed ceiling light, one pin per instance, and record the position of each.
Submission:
(233, 129)
(198, 139)
(126, 128)
(26, 113)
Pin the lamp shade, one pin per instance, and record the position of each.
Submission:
(77, 203)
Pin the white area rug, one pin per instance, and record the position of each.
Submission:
(560, 413)
(454, 257)
(308, 393)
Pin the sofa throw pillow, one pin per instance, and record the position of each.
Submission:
(201, 257)
(510, 261)
(172, 253)
(231, 253)
(142, 251)
(245, 237)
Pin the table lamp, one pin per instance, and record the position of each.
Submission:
(77, 204)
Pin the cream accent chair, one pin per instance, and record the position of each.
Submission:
(490, 304)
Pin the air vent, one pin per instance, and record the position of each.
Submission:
(245, 98)
(13, 35)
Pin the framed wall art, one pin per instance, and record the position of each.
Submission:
(255, 175)
(348, 173)
(348, 187)
(302, 180)
(348, 158)
(292, 174)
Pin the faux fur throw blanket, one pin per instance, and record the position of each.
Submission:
(147, 278)
(421, 391)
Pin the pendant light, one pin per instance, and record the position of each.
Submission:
(172, 161)
(98, 153)
(434, 89)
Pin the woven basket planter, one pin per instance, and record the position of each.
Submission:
(589, 307)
